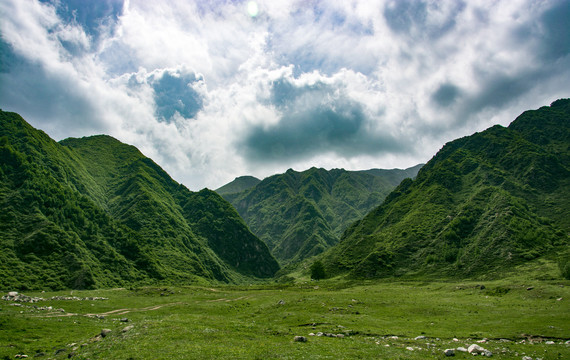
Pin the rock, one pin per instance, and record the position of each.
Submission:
(13, 293)
(124, 320)
(320, 334)
(339, 335)
(105, 332)
(449, 352)
(529, 288)
(128, 328)
(281, 302)
(550, 342)
(462, 349)
(300, 339)
(476, 349)
(393, 337)
(526, 358)
(421, 337)
(312, 334)
(410, 348)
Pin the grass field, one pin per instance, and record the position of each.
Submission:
(379, 320)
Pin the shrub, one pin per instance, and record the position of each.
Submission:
(318, 271)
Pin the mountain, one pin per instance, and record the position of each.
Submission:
(239, 184)
(94, 212)
(301, 214)
(483, 203)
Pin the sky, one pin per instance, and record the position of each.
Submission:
(212, 90)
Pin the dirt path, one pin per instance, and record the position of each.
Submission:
(113, 312)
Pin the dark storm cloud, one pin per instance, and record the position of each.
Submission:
(314, 120)
(551, 29)
(410, 17)
(445, 95)
(36, 94)
(174, 94)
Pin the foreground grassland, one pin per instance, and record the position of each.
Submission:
(379, 320)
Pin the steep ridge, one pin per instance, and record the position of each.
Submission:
(483, 203)
(94, 212)
(301, 214)
(239, 184)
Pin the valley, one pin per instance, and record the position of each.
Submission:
(524, 314)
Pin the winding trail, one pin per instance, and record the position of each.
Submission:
(114, 312)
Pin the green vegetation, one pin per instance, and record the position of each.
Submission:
(483, 204)
(93, 212)
(302, 214)
(519, 315)
(240, 184)
(318, 271)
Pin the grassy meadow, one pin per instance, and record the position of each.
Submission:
(519, 315)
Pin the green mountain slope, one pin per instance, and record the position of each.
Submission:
(301, 214)
(482, 203)
(94, 212)
(240, 184)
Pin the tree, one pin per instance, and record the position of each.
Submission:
(318, 270)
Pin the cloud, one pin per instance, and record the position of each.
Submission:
(316, 116)
(211, 93)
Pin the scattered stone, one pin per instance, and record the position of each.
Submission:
(312, 334)
(300, 339)
(483, 341)
(449, 352)
(393, 337)
(105, 332)
(15, 296)
(410, 348)
(96, 338)
(128, 328)
(320, 334)
(124, 320)
(462, 349)
(476, 349)
(529, 288)
(340, 335)
(455, 339)
(20, 356)
(549, 342)
(526, 358)
(281, 302)
(559, 299)
(421, 337)
(100, 317)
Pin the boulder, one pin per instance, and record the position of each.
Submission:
(300, 339)
(128, 328)
(449, 352)
(476, 349)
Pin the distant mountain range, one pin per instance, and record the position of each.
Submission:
(482, 204)
(94, 212)
(301, 214)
